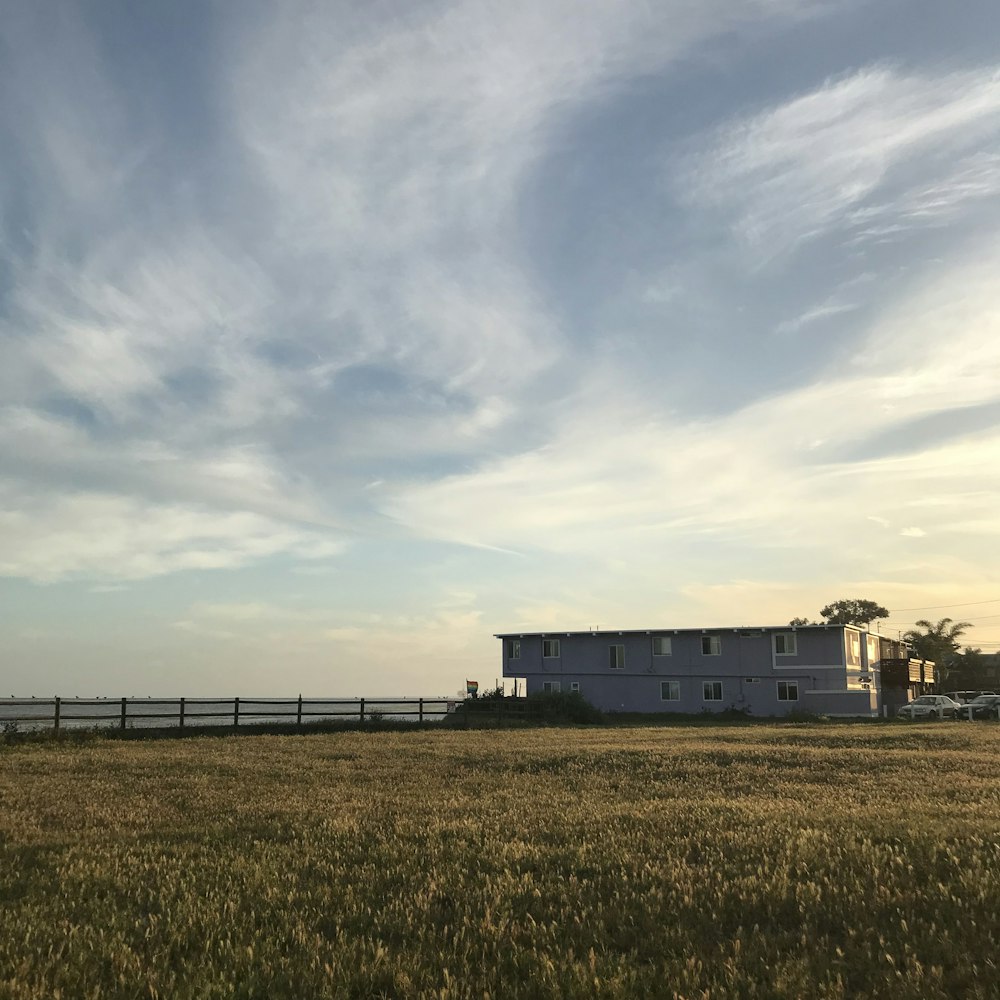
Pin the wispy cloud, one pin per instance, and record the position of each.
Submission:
(805, 167)
(617, 479)
(101, 536)
(972, 179)
(825, 310)
(165, 358)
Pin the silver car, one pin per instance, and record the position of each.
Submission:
(930, 706)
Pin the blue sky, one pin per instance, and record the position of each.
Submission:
(335, 338)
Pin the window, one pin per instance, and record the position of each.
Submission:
(574, 686)
(788, 690)
(514, 650)
(661, 646)
(855, 648)
(551, 687)
(712, 691)
(711, 645)
(550, 647)
(616, 657)
(670, 690)
(786, 643)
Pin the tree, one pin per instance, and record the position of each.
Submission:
(795, 622)
(853, 611)
(937, 642)
(969, 670)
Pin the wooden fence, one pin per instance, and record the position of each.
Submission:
(147, 712)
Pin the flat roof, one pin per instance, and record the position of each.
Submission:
(677, 631)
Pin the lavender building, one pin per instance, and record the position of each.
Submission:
(839, 670)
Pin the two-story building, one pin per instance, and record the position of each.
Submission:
(771, 670)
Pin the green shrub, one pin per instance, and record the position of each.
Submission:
(564, 706)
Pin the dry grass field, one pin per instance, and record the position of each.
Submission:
(751, 861)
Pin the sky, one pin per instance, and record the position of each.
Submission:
(336, 338)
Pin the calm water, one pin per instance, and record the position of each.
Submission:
(39, 713)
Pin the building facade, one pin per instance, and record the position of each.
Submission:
(823, 669)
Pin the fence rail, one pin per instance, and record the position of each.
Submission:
(126, 712)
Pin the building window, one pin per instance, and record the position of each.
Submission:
(550, 648)
(712, 691)
(855, 648)
(786, 644)
(670, 690)
(711, 645)
(788, 690)
(616, 657)
(514, 650)
(551, 687)
(574, 686)
(661, 646)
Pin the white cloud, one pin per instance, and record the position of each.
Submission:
(824, 311)
(619, 480)
(100, 536)
(805, 167)
(114, 330)
(398, 150)
(381, 162)
(43, 449)
(937, 202)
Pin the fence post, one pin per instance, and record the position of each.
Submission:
(236, 712)
(55, 721)
(182, 713)
(124, 704)
(420, 716)
(362, 712)
(298, 717)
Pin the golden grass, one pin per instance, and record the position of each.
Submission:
(765, 861)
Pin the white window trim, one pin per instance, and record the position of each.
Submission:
(663, 639)
(777, 691)
(619, 659)
(515, 650)
(853, 651)
(574, 687)
(786, 636)
(850, 691)
(713, 641)
(678, 683)
(722, 692)
(551, 656)
(551, 687)
(806, 667)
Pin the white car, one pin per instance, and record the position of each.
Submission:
(930, 706)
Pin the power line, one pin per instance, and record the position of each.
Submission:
(939, 607)
(981, 618)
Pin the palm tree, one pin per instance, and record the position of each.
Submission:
(938, 642)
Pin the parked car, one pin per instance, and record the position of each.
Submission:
(986, 706)
(964, 697)
(930, 706)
